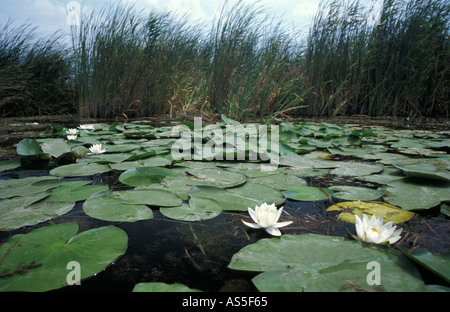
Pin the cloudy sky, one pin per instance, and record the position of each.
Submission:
(50, 15)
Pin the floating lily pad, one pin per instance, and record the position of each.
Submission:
(416, 194)
(424, 171)
(355, 193)
(38, 261)
(324, 263)
(379, 209)
(29, 210)
(307, 193)
(198, 209)
(27, 186)
(28, 147)
(279, 181)
(145, 175)
(105, 206)
(79, 170)
(9, 164)
(55, 147)
(149, 162)
(108, 158)
(75, 191)
(240, 198)
(149, 197)
(438, 264)
(162, 287)
(356, 169)
(218, 177)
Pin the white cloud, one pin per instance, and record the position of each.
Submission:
(305, 10)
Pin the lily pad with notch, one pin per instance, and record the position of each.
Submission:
(38, 261)
(198, 209)
(105, 206)
(311, 262)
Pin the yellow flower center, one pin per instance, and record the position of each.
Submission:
(375, 230)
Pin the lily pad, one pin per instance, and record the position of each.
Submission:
(355, 193)
(105, 206)
(307, 193)
(352, 168)
(38, 261)
(218, 177)
(149, 162)
(9, 164)
(240, 198)
(75, 191)
(28, 147)
(438, 264)
(379, 209)
(29, 210)
(416, 194)
(162, 287)
(55, 147)
(279, 181)
(145, 175)
(424, 171)
(198, 209)
(324, 263)
(79, 170)
(149, 197)
(27, 186)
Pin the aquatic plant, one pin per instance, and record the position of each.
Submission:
(266, 217)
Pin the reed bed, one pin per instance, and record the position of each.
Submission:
(123, 63)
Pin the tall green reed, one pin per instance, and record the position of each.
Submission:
(251, 73)
(397, 66)
(35, 75)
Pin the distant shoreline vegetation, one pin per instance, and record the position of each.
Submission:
(244, 65)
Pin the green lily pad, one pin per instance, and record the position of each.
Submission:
(105, 206)
(121, 148)
(149, 162)
(55, 147)
(79, 170)
(240, 198)
(149, 197)
(438, 264)
(9, 164)
(307, 193)
(218, 177)
(29, 210)
(416, 194)
(145, 175)
(279, 181)
(324, 263)
(27, 186)
(355, 193)
(115, 158)
(352, 168)
(379, 209)
(424, 170)
(198, 209)
(162, 287)
(38, 261)
(75, 191)
(28, 147)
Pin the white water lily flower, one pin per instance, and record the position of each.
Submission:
(86, 127)
(266, 217)
(96, 149)
(374, 231)
(71, 137)
(72, 131)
